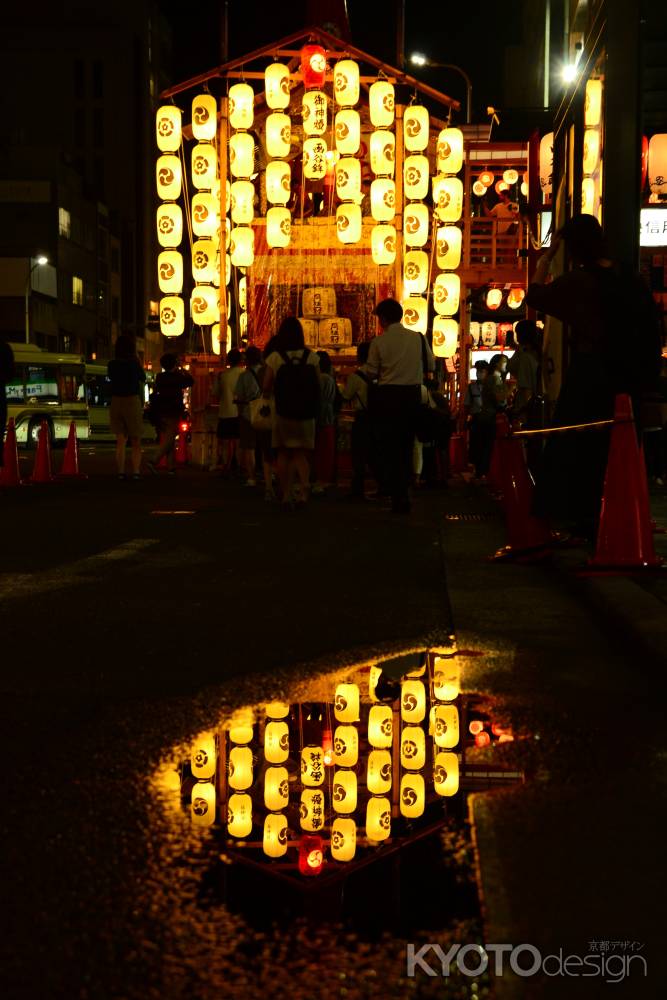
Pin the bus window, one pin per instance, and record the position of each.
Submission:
(70, 378)
(16, 387)
(41, 384)
(98, 390)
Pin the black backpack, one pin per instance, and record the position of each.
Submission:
(297, 388)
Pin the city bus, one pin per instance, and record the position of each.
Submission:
(50, 387)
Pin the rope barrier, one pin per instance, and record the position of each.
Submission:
(594, 425)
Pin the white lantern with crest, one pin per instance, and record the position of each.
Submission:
(312, 766)
(413, 701)
(378, 818)
(415, 177)
(314, 112)
(383, 244)
(413, 748)
(380, 727)
(593, 103)
(346, 703)
(239, 815)
(203, 757)
(449, 151)
(170, 272)
(446, 294)
(205, 305)
(383, 199)
(314, 158)
(415, 272)
(346, 746)
(278, 134)
(445, 337)
(202, 804)
(169, 219)
(348, 223)
(203, 166)
(378, 772)
(205, 214)
(204, 260)
(344, 793)
(415, 313)
(311, 810)
(204, 117)
(274, 841)
(276, 788)
(276, 86)
(278, 182)
(446, 678)
(412, 795)
(348, 178)
(383, 153)
(242, 246)
(591, 150)
(347, 131)
(243, 198)
(343, 839)
(239, 768)
(172, 316)
(415, 225)
(346, 82)
(276, 742)
(168, 177)
(241, 106)
(447, 198)
(446, 726)
(448, 247)
(168, 128)
(278, 227)
(446, 773)
(241, 154)
(381, 103)
(415, 128)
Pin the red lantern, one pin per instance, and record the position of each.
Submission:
(475, 727)
(311, 855)
(313, 66)
(482, 739)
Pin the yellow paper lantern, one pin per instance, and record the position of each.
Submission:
(343, 839)
(588, 196)
(413, 748)
(383, 244)
(239, 768)
(243, 300)
(344, 794)
(412, 795)
(169, 225)
(546, 163)
(515, 297)
(494, 298)
(278, 227)
(276, 788)
(278, 182)
(415, 225)
(168, 128)
(241, 154)
(383, 152)
(381, 103)
(378, 772)
(380, 727)
(228, 274)
(447, 198)
(202, 804)
(215, 338)
(415, 313)
(241, 726)
(383, 199)
(415, 128)
(446, 726)
(276, 742)
(204, 117)
(448, 247)
(415, 272)
(203, 757)
(378, 818)
(486, 178)
(274, 709)
(348, 178)
(205, 217)
(205, 305)
(170, 272)
(276, 86)
(203, 166)
(445, 337)
(510, 176)
(243, 323)
(593, 103)
(168, 177)
(346, 82)
(346, 703)
(311, 810)
(243, 198)
(314, 158)
(449, 151)
(239, 815)
(348, 223)
(241, 106)
(657, 163)
(172, 316)
(446, 294)
(346, 746)
(591, 150)
(415, 176)
(413, 701)
(242, 246)
(278, 134)
(314, 112)
(475, 330)
(204, 260)
(446, 773)
(274, 843)
(312, 765)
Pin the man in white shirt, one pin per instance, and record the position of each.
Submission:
(397, 359)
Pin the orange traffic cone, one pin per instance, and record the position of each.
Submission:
(9, 473)
(41, 472)
(625, 539)
(458, 459)
(70, 466)
(528, 537)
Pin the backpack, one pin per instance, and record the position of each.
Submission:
(297, 388)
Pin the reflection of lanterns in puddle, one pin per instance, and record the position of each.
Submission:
(275, 836)
(311, 855)
(202, 758)
(276, 742)
(446, 774)
(413, 701)
(240, 768)
(476, 726)
(311, 810)
(413, 748)
(446, 726)
(344, 794)
(312, 765)
(378, 818)
(239, 815)
(446, 678)
(343, 839)
(482, 739)
(346, 703)
(346, 746)
(202, 807)
(380, 726)
(412, 795)
(378, 774)
(276, 788)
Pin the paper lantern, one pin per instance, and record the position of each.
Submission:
(203, 166)
(593, 103)
(489, 334)
(228, 271)
(239, 768)
(449, 151)
(486, 178)
(168, 128)
(243, 198)
(169, 225)
(588, 196)
(278, 182)
(515, 297)
(346, 703)
(475, 332)
(446, 726)
(170, 272)
(381, 103)
(478, 189)
(412, 796)
(276, 742)
(347, 131)
(657, 163)
(415, 313)
(348, 223)
(239, 815)
(378, 818)
(203, 756)
(346, 746)
(172, 316)
(445, 337)
(278, 134)
(243, 323)
(313, 65)
(241, 726)
(383, 199)
(510, 176)
(278, 227)
(546, 163)
(524, 189)
(168, 177)
(343, 839)
(448, 247)
(205, 305)
(344, 794)
(591, 150)
(446, 773)
(204, 214)
(276, 86)
(276, 788)
(415, 272)
(215, 338)
(415, 225)
(447, 198)
(346, 82)
(446, 294)
(415, 176)
(413, 748)
(348, 178)
(204, 117)
(311, 809)
(274, 843)
(378, 772)
(314, 158)
(312, 766)
(204, 260)
(415, 128)
(380, 726)
(413, 701)
(383, 244)
(494, 297)
(241, 154)
(314, 112)
(276, 709)
(202, 805)
(241, 105)
(243, 304)
(383, 153)
(242, 246)
(446, 678)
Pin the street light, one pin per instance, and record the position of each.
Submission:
(418, 59)
(39, 262)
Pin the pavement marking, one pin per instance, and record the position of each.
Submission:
(15, 585)
(158, 512)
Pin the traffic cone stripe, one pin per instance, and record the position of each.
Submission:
(41, 472)
(70, 466)
(9, 473)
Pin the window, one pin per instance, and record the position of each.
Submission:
(42, 385)
(15, 386)
(71, 379)
(77, 290)
(64, 223)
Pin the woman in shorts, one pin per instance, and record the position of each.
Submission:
(126, 415)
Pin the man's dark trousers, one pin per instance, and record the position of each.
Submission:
(394, 413)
